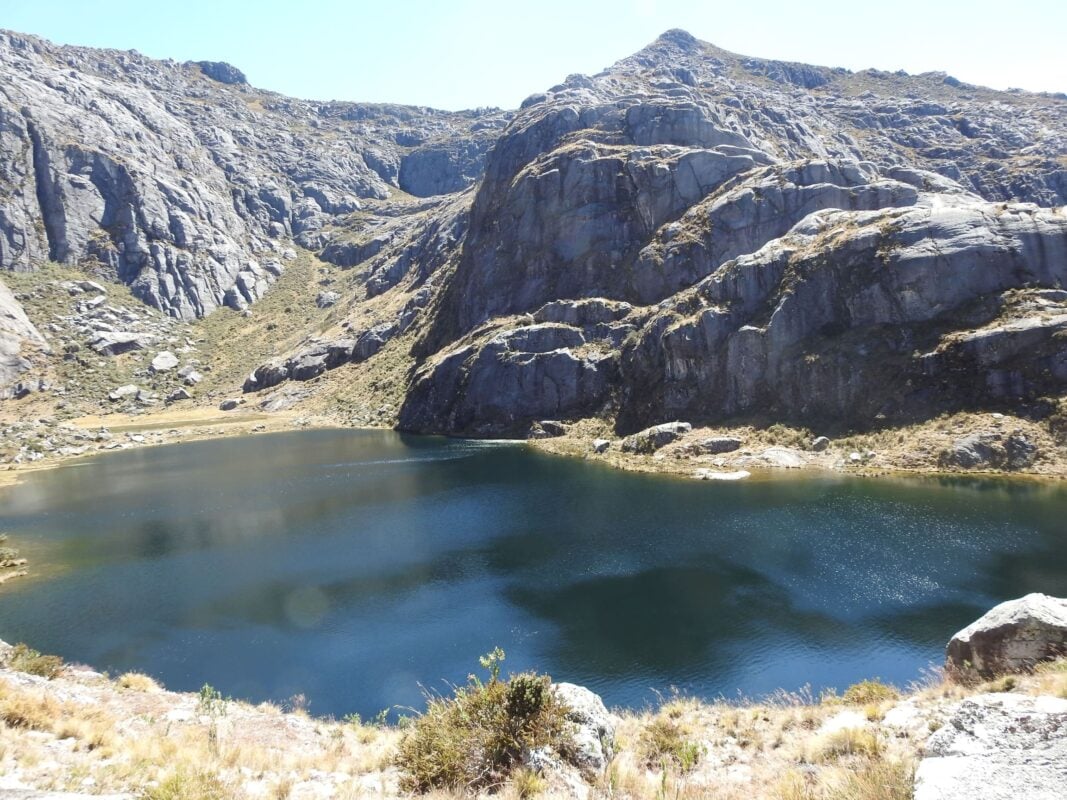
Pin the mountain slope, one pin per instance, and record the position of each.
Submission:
(785, 241)
(690, 233)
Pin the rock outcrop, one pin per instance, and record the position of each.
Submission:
(16, 332)
(1011, 637)
(180, 179)
(997, 747)
(593, 727)
(835, 255)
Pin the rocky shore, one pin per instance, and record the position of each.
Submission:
(992, 724)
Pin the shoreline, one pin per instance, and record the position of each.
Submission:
(200, 424)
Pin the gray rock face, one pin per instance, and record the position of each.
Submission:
(594, 727)
(997, 747)
(517, 376)
(16, 331)
(177, 178)
(222, 72)
(1011, 637)
(775, 251)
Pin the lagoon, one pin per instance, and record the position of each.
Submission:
(360, 568)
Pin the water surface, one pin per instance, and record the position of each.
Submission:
(352, 567)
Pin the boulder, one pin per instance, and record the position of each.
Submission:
(997, 747)
(714, 445)
(819, 444)
(594, 727)
(115, 343)
(652, 439)
(601, 445)
(181, 393)
(1011, 637)
(230, 403)
(129, 390)
(546, 429)
(327, 299)
(164, 362)
(990, 451)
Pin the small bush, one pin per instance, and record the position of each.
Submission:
(211, 702)
(866, 692)
(139, 682)
(26, 659)
(476, 738)
(663, 742)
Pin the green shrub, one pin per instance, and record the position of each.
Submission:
(476, 738)
(663, 742)
(26, 659)
(864, 692)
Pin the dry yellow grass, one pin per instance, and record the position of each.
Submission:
(138, 682)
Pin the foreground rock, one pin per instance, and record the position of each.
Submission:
(998, 747)
(594, 727)
(1011, 637)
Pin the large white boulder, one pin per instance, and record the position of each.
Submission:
(1011, 637)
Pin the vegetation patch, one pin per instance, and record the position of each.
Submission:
(25, 659)
(664, 742)
(139, 682)
(871, 691)
(476, 738)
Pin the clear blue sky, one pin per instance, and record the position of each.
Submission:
(468, 53)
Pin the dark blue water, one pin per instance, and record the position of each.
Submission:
(352, 567)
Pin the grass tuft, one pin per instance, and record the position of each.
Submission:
(188, 786)
(663, 742)
(867, 692)
(139, 682)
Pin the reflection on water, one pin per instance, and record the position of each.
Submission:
(353, 566)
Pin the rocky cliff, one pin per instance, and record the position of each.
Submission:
(693, 233)
(689, 234)
(181, 179)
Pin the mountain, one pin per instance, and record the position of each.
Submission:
(689, 234)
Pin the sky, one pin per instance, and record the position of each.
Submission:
(469, 53)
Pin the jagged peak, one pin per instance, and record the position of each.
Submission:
(679, 37)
